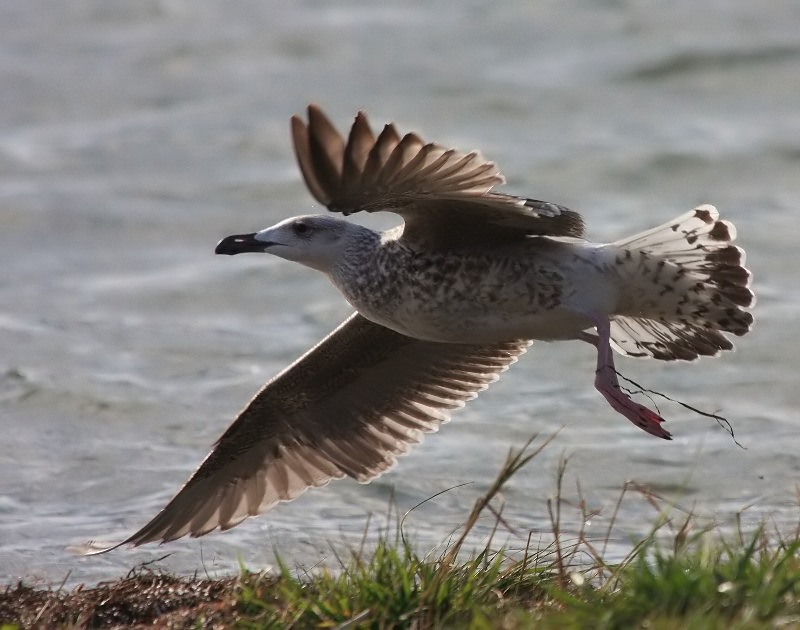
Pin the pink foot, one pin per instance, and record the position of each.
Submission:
(607, 384)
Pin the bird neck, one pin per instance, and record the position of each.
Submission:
(368, 262)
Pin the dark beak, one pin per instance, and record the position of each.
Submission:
(240, 244)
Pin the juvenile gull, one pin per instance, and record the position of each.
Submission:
(445, 303)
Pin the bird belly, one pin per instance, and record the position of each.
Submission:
(483, 313)
(460, 326)
(543, 293)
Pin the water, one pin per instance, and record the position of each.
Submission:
(134, 135)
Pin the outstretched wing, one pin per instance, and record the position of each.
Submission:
(438, 191)
(348, 407)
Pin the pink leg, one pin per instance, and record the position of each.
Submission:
(607, 384)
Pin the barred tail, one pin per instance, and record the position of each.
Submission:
(684, 285)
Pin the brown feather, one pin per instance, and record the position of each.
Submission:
(318, 421)
(433, 188)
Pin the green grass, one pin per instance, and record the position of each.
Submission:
(705, 582)
(693, 580)
(393, 586)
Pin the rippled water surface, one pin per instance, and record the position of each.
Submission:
(134, 135)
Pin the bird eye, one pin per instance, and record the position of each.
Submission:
(300, 227)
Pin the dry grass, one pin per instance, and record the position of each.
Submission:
(144, 598)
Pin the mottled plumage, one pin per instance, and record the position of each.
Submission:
(446, 302)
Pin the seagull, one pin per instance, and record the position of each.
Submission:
(444, 303)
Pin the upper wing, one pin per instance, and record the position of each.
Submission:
(432, 187)
(349, 406)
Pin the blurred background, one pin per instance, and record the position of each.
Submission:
(134, 135)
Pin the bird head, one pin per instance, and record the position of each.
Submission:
(316, 241)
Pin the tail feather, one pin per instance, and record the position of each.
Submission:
(667, 341)
(684, 285)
